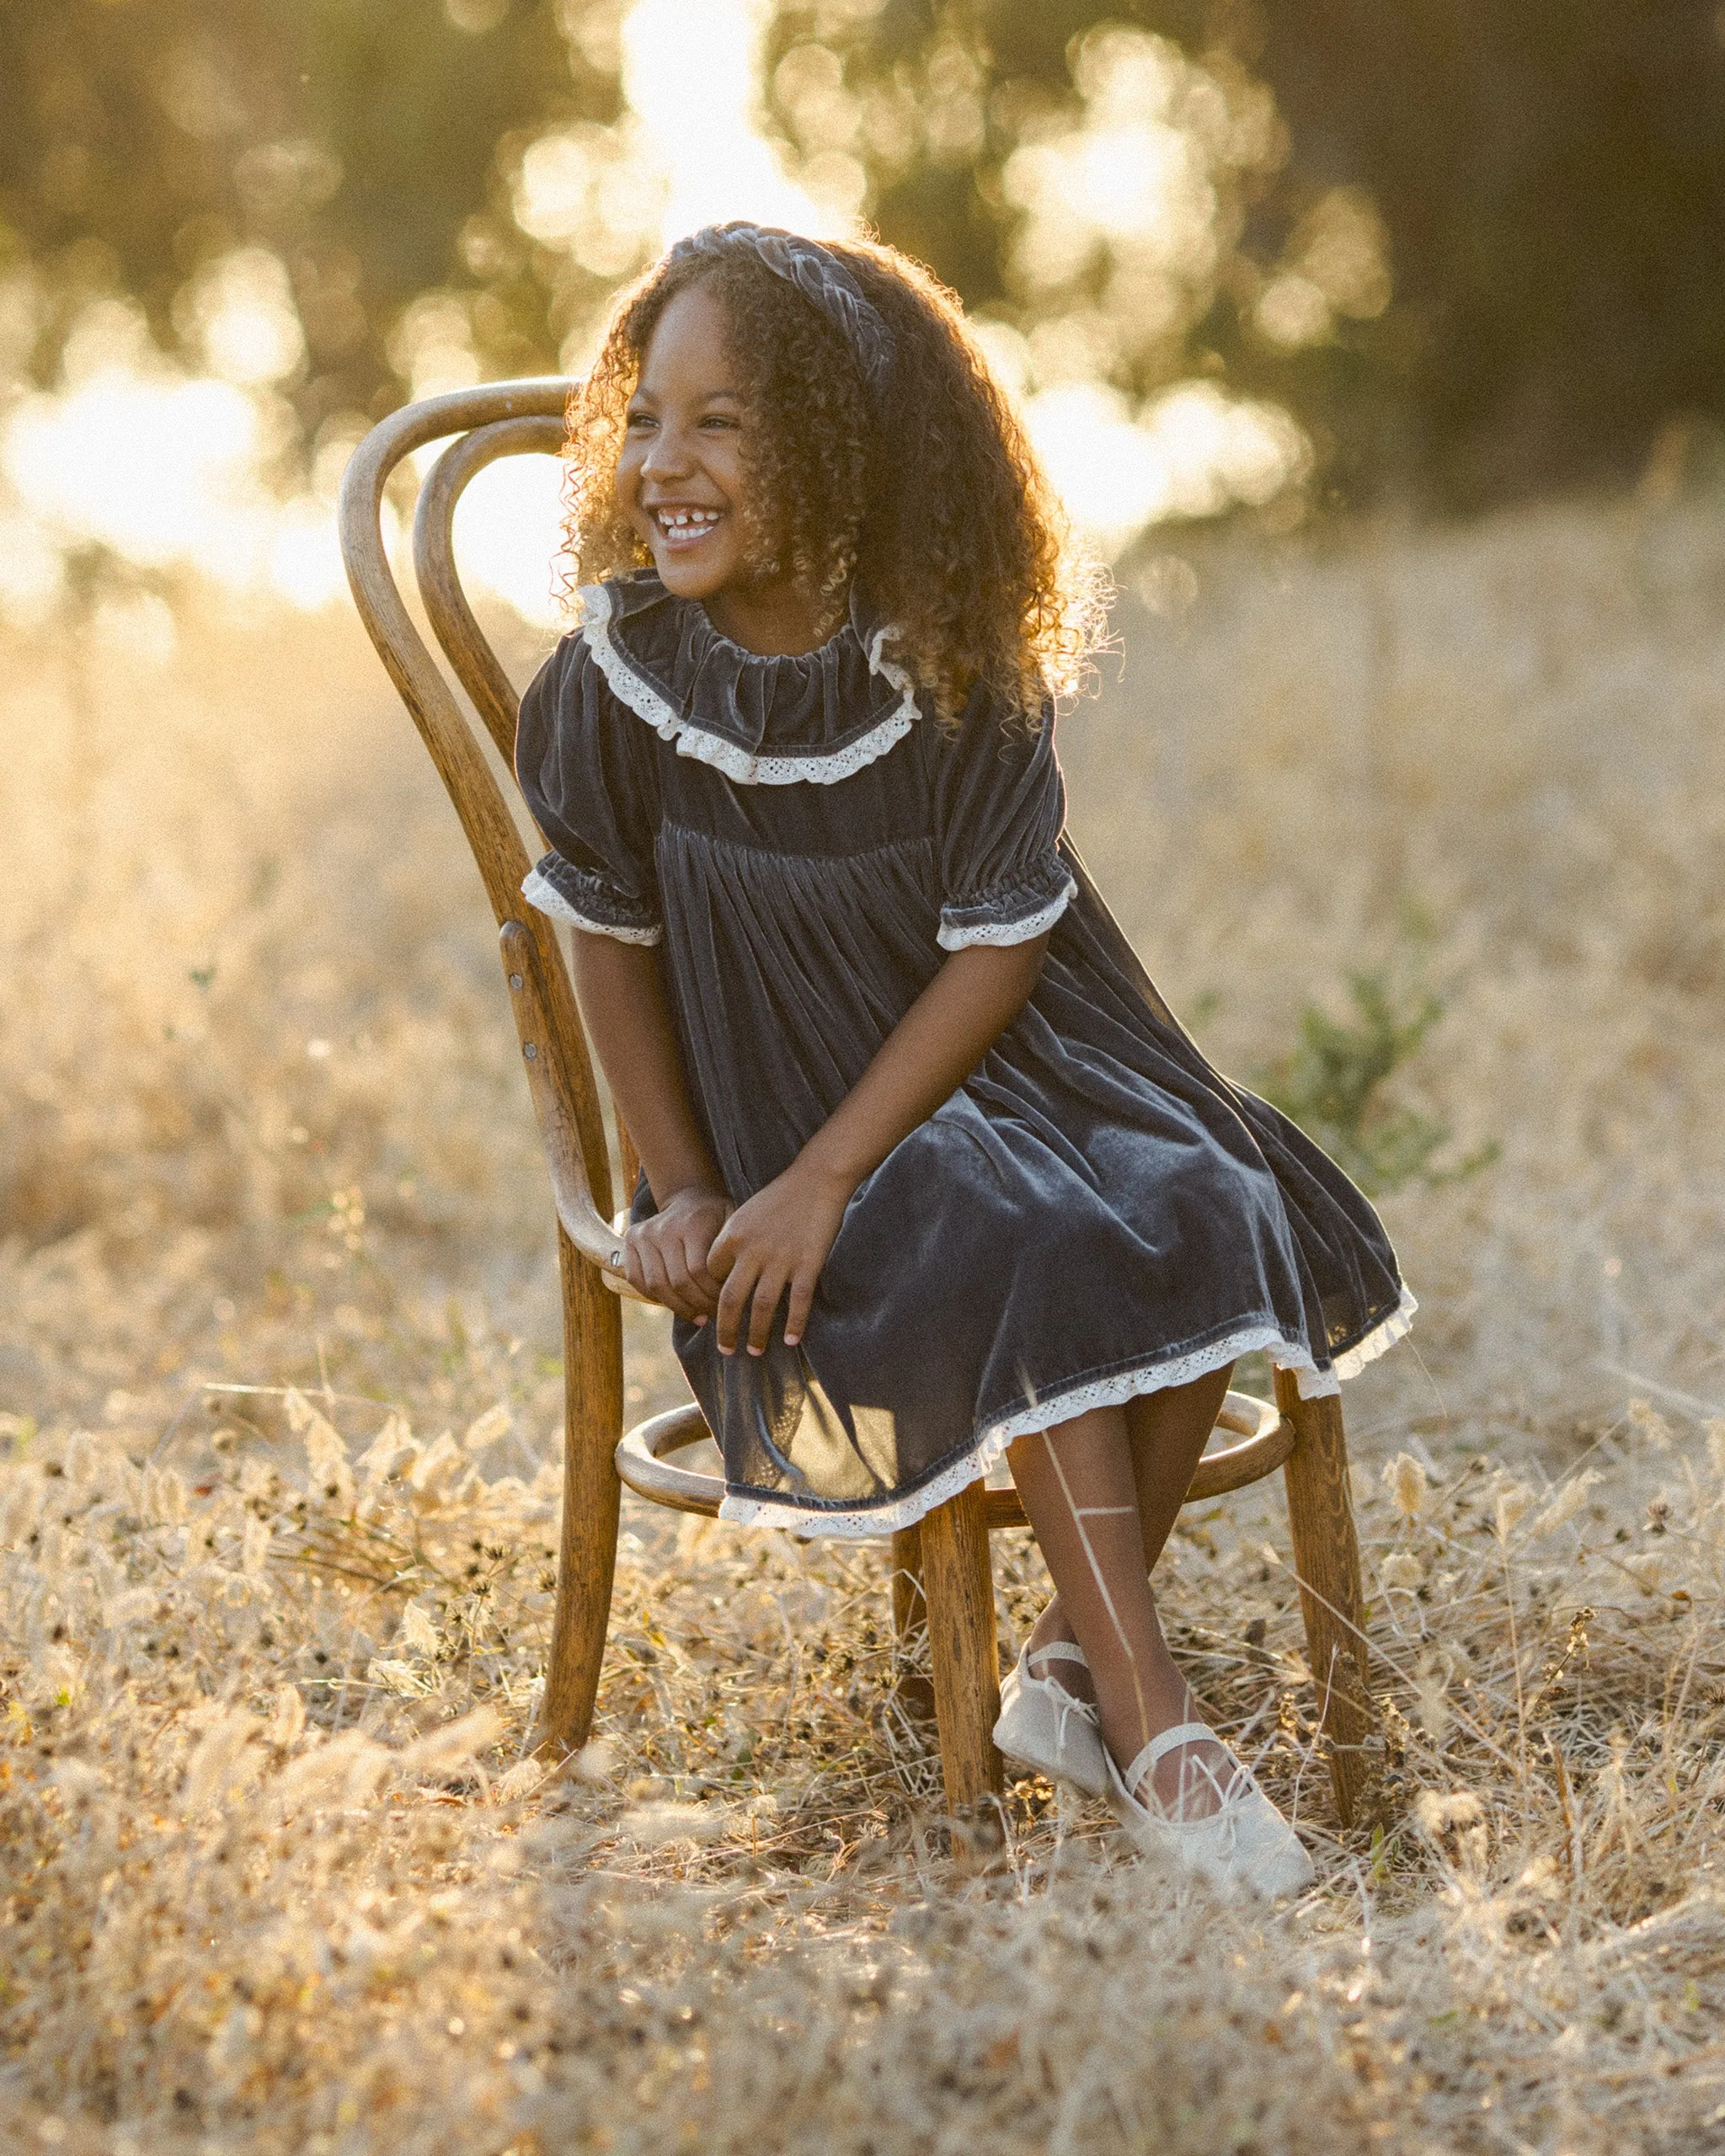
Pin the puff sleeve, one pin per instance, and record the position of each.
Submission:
(586, 774)
(1000, 808)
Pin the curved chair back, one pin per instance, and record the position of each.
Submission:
(506, 419)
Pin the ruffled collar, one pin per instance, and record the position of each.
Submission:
(813, 719)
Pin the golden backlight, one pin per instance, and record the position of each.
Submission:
(1135, 175)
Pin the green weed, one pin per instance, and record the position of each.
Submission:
(1332, 1085)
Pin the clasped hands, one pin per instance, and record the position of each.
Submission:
(707, 1262)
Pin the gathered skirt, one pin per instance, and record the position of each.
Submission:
(1094, 1215)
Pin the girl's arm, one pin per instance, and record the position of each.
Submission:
(621, 988)
(779, 1239)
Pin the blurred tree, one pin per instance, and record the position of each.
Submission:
(362, 144)
(1477, 250)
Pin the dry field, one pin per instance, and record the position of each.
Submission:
(281, 1416)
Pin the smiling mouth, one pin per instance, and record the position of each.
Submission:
(681, 528)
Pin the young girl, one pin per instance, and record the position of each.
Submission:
(930, 1173)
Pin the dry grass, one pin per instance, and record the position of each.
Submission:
(276, 1876)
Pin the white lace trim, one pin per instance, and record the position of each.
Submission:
(542, 895)
(1111, 1391)
(1008, 931)
(817, 768)
(1377, 1341)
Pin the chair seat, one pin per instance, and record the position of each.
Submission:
(646, 1464)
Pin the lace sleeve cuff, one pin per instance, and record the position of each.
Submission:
(1008, 913)
(557, 888)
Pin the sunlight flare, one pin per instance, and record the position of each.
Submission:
(1130, 187)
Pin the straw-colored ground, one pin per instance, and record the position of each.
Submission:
(276, 1878)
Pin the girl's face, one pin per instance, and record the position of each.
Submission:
(683, 484)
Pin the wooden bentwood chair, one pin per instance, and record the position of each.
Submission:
(942, 1574)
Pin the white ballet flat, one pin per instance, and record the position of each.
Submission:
(1245, 1843)
(1045, 1727)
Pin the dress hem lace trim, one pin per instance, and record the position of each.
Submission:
(1112, 1391)
(815, 767)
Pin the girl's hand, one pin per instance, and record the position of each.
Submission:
(666, 1257)
(779, 1239)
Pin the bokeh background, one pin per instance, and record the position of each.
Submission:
(1381, 353)
(1308, 256)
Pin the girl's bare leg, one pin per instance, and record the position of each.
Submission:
(1080, 1494)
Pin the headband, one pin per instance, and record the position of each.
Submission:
(818, 274)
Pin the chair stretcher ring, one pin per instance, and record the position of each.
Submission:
(645, 1464)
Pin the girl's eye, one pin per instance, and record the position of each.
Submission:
(637, 420)
(719, 419)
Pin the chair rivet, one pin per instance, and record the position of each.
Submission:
(617, 1261)
(530, 1051)
(514, 980)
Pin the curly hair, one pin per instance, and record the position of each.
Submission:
(938, 506)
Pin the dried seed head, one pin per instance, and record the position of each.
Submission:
(1402, 1568)
(596, 1762)
(386, 1450)
(1568, 1502)
(1429, 1687)
(21, 1493)
(487, 1429)
(1651, 1424)
(331, 1481)
(224, 1759)
(417, 1632)
(1454, 1821)
(1407, 1484)
(1512, 1502)
(288, 1722)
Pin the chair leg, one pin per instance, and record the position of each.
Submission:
(965, 1649)
(1326, 1561)
(593, 1421)
(915, 1690)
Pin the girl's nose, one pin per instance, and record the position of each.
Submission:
(667, 454)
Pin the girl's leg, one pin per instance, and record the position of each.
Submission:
(1082, 1496)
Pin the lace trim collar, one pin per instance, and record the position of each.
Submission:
(813, 719)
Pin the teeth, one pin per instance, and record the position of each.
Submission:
(684, 520)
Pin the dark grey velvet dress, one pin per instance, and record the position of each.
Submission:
(1094, 1214)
